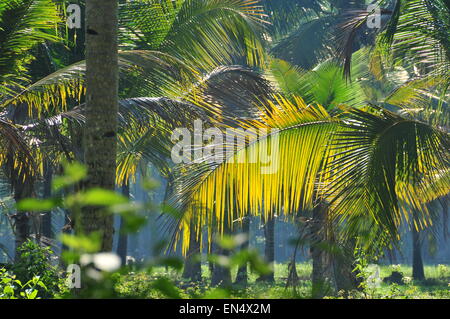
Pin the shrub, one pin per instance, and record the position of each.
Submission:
(34, 261)
(12, 288)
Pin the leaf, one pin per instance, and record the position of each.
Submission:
(101, 197)
(81, 243)
(73, 173)
(210, 193)
(32, 295)
(37, 205)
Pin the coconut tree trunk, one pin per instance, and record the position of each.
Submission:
(101, 111)
(22, 183)
(269, 249)
(122, 245)
(221, 276)
(242, 274)
(318, 254)
(192, 265)
(343, 263)
(418, 272)
(47, 192)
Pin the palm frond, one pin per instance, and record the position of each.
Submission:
(234, 91)
(206, 33)
(23, 24)
(380, 161)
(145, 73)
(307, 45)
(240, 182)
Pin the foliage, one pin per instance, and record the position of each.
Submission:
(23, 24)
(13, 288)
(36, 262)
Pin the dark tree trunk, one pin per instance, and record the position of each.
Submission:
(192, 265)
(22, 184)
(22, 230)
(345, 278)
(293, 279)
(318, 254)
(269, 249)
(67, 229)
(47, 193)
(100, 130)
(242, 274)
(418, 271)
(122, 245)
(221, 276)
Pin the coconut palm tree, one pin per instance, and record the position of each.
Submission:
(166, 68)
(416, 34)
(23, 25)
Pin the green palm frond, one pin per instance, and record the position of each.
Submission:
(422, 35)
(324, 84)
(17, 157)
(229, 92)
(416, 35)
(145, 128)
(23, 24)
(241, 182)
(291, 80)
(287, 15)
(234, 91)
(309, 44)
(382, 160)
(330, 89)
(206, 33)
(144, 73)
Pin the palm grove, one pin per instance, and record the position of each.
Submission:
(361, 115)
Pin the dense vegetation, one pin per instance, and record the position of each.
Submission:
(338, 117)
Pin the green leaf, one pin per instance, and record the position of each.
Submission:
(38, 205)
(33, 294)
(101, 197)
(73, 173)
(89, 244)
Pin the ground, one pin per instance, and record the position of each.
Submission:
(437, 285)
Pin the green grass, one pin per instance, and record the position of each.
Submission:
(140, 285)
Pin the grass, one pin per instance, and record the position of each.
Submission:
(140, 284)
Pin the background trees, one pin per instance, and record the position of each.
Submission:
(363, 138)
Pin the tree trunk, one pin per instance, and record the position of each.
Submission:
(47, 193)
(418, 271)
(67, 229)
(242, 274)
(22, 184)
(345, 279)
(318, 254)
(122, 245)
(192, 265)
(100, 129)
(22, 230)
(269, 249)
(221, 276)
